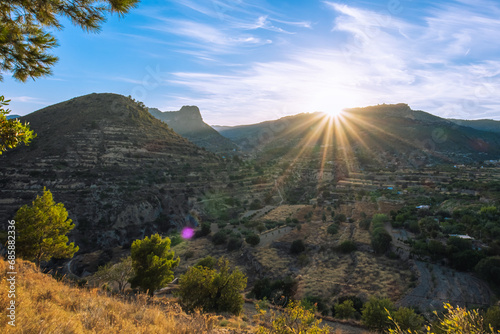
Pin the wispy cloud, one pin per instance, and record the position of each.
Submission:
(433, 65)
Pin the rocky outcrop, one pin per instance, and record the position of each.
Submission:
(189, 123)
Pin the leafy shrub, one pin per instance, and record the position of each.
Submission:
(332, 229)
(253, 239)
(374, 314)
(297, 246)
(347, 246)
(345, 310)
(219, 238)
(234, 244)
(214, 290)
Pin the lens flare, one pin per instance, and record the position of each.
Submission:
(187, 233)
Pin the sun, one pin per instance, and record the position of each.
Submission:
(334, 113)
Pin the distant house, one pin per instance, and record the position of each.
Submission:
(423, 207)
(462, 236)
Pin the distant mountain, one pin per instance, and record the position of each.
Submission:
(120, 172)
(480, 124)
(381, 135)
(189, 123)
(13, 116)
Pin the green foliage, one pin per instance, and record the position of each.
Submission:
(345, 310)
(153, 263)
(332, 229)
(274, 291)
(365, 223)
(456, 320)
(297, 246)
(214, 290)
(407, 319)
(381, 240)
(118, 273)
(219, 238)
(293, 319)
(26, 38)
(374, 314)
(347, 246)
(253, 240)
(340, 218)
(12, 131)
(42, 229)
(234, 243)
(204, 231)
(489, 269)
(315, 303)
(208, 262)
(492, 318)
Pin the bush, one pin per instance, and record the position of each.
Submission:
(333, 229)
(214, 290)
(340, 218)
(315, 303)
(374, 314)
(489, 269)
(381, 241)
(348, 246)
(345, 310)
(234, 244)
(407, 319)
(492, 317)
(253, 239)
(293, 319)
(297, 247)
(204, 231)
(219, 238)
(365, 223)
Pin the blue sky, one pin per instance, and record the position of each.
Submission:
(246, 61)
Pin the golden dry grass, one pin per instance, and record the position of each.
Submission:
(282, 212)
(44, 305)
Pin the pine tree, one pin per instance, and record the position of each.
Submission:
(24, 38)
(12, 131)
(42, 229)
(153, 263)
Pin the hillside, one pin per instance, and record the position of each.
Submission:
(45, 305)
(480, 124)
(120, 172)
(189, 123)
(377, 135)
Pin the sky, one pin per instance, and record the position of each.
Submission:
(243, 61)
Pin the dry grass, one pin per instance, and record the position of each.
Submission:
(44, 305)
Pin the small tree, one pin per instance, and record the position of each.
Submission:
(345, 310)
(332, 229)
(297, 246)
(253, 239)
(374, 313)
(42, 229)
(153, 263)
(215, 289)
(408, 319)
(119, 273)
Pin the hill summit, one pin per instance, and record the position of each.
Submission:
(189, 123)
(120, 172)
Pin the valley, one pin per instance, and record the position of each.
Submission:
(309, 187)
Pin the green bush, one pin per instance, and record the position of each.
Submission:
(234, 244)
(333, 229)
(407, 319)
(253, 239)
(374, 314)
(297, 247)
(219, 238)
(214, 290)
(345, 310)
(347, 246)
